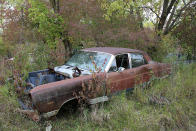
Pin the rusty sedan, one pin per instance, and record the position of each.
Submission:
(51, 89)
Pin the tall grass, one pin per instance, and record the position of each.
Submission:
(136, 113)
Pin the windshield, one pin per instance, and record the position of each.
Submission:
(89, 60)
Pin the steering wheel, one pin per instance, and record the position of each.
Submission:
(77, 72)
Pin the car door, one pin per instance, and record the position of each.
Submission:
(120, 79)
(137, 72)
(142, 69)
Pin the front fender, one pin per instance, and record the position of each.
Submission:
(50, 97)
(55, 112)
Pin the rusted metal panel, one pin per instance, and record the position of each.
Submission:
(129, 78)
(51, 96)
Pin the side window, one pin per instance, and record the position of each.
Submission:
(120, 61)
(137, 60)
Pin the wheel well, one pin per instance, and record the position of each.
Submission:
(68, 107)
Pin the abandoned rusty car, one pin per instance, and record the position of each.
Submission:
(50, 89)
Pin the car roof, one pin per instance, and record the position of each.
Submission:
(112, 50)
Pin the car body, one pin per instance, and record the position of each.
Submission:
(51, 89)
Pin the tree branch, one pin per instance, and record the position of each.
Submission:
(163, 15)
(172, 25)
(171, 5)
(147, 7)
(184, 2)
(55, 5)
(170, 18)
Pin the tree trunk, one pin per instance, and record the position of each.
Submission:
(163, 15)
(66, 42)
(166, 10)
(170, 19)
(55, 5)
(68, 48)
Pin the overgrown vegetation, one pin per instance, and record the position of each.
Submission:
(136, 113)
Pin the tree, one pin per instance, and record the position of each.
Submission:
(120, 8)
(185, 31)
(50, 24)
(85, 22)
(173, 11)
(55, 5)
(166, 14)
(9, 22)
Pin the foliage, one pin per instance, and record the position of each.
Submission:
(167, 45)
(120, 8)
(115, 8)
(83, 23)
(27, 58)
(87, 26)
(164, 14)
(2, 47)
(185, 32)
(9, 23)
(48, 24)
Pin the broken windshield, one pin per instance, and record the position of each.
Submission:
(89, 60)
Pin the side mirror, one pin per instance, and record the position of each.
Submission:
(120, 69)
